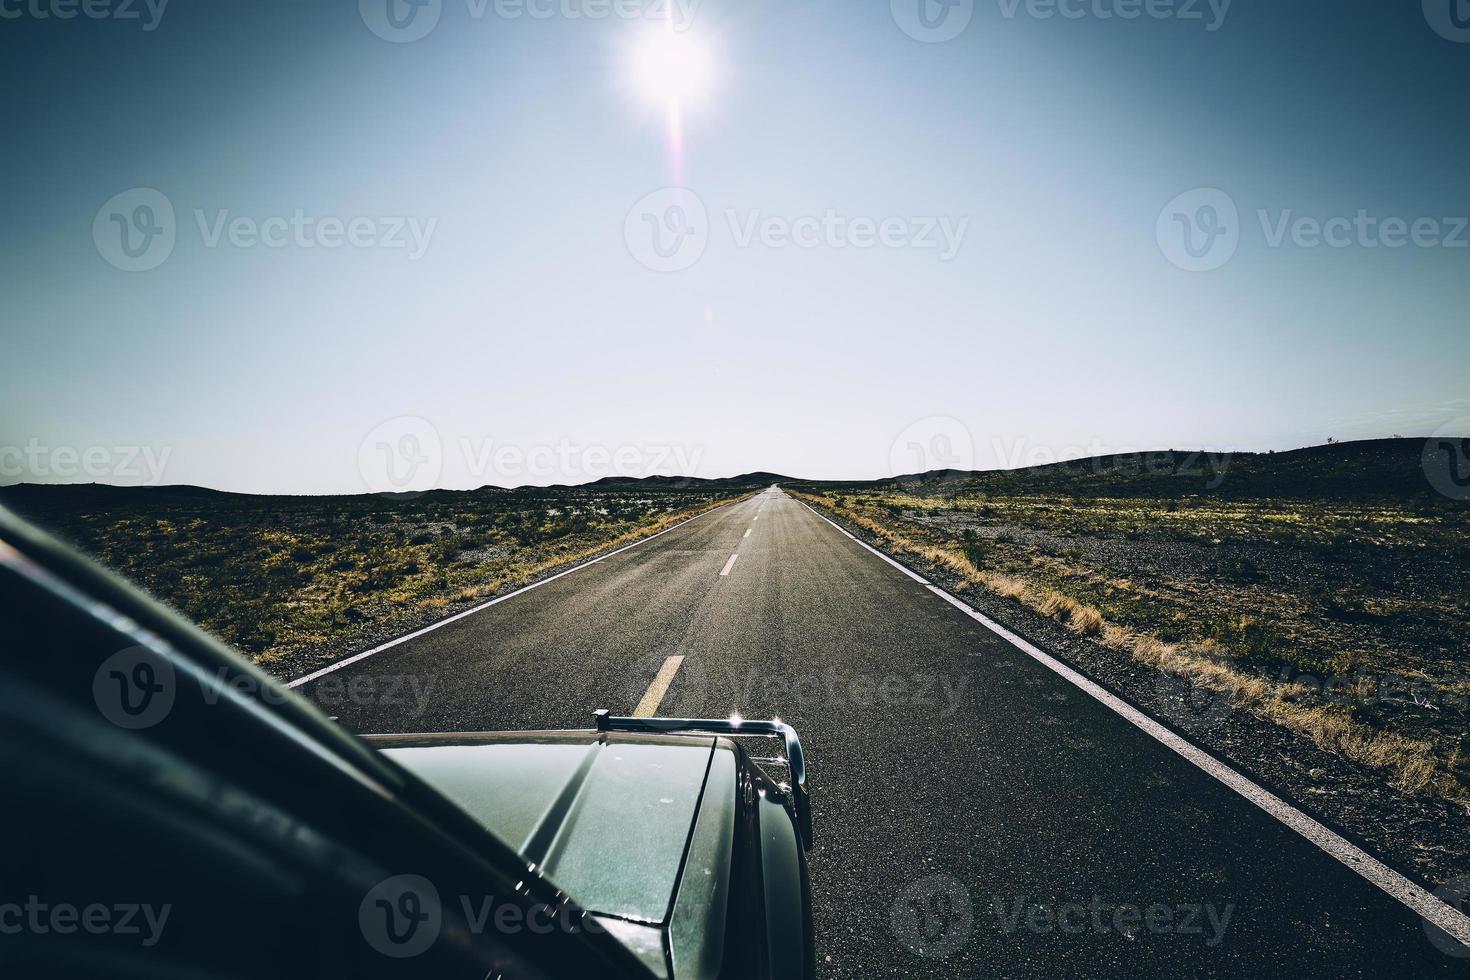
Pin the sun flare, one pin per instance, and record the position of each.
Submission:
(672, 68)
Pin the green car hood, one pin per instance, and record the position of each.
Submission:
(608, 820)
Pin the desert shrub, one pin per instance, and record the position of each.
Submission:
(1240, 569)
(1258, 645)
(1347, 608)
(976, 549)
(1339, 548)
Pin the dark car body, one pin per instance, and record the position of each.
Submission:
(678, 845)
(174, 811)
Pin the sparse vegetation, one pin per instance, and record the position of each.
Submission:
(275, 575)
(1322, 591)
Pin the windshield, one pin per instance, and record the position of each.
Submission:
(1044, 422)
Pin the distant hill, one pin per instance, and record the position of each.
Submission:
(1378, 468)
(81, 496)
(674, 482)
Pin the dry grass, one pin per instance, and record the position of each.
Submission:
(528, 573)
(304, 573)
(1409, 764)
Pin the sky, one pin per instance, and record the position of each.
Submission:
(291, 247)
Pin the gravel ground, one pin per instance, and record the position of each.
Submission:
(298, 662)
(1425, 839)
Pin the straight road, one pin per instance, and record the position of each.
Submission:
(977, 815)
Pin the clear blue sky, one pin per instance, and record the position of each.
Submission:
(520, 145)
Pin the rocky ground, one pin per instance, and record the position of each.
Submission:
(1332, 587)
(297, 582)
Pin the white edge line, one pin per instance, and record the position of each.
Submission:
(1413, 896)
(493, 602)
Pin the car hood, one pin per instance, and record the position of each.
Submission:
(607, 819)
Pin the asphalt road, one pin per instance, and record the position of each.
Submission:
(976, 815)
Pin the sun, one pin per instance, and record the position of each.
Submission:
(671, 74)
(671, 69)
